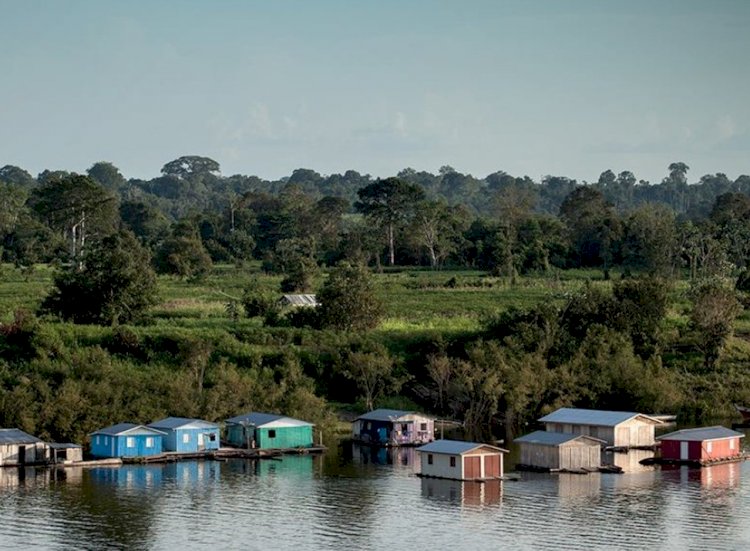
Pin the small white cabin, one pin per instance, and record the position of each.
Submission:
(457, 460)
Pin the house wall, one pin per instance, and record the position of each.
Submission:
(34, 453)
(441, 467)
(633, 432)
(236, 436)
(104, 445)
(286, 437)
(579, 455)
(175, 440)
(538, 455)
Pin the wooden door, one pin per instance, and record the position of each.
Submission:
(492, 466)
(21, 455)
(473, 466)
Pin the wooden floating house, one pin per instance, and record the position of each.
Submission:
(456, 460)
(701, 445)
(298, 301)
(126, 440)
(268, 431)
(392, 427)
(187, 435)
(560, 451)
(18, 448)
(619, 429)
(61, 453)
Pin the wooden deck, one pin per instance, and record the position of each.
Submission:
(223, 454)
(693, 462)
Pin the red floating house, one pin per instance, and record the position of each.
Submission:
(701, 445)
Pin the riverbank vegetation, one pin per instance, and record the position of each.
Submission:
(490, 301)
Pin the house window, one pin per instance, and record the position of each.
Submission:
(369, 426)
(130, 442)
(185, 438)
(271, 433)
(212, 437)
(404, 427)
(731, 443)
(453, 461)
(150, 442)
(429, 459)
(709, 447)
(423, 426)
(97, 441)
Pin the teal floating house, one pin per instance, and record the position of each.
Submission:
(187, 435)
(126, 440)
(268, 431)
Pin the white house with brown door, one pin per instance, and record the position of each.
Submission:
(458, 460)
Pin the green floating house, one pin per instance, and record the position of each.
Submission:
(268, 431)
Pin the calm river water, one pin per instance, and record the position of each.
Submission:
(355, 499)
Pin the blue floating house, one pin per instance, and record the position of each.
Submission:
(268, 431)
(187, 435)
(126, 440)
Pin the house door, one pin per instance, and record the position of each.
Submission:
(201, 442)
(382, 435)
(492, 466)
(473, 467)
(684, 455)
(21, 455)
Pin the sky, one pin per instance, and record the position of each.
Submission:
(530, 87)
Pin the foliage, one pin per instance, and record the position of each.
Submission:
(715, 307)
(348, 301)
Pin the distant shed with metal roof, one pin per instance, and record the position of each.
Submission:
(126, 440)
(295, 301)
(65, 452)
(559, 450)
(617, 428)
(188, 435)
(393, 427)
(20, 448)
(257, 430)
(701, 444)
(459, 460)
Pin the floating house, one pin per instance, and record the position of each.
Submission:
(268, 431)
(126, 440)
(298, 301)
(461, 460)
(65, 452)
(560, 451)
(392, 427)
(19, 448)
(617, 428)
(187, 435)
(701, 445)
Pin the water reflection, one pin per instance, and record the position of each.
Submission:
(398, 457)
(629, 462)
(473, 494)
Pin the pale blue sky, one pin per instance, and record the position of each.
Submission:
(530, 87)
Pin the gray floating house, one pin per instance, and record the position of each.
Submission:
(392, 427)
(559, 450)
(18, 448)
(617, 428)
(126, 440)
(187, 435)
(65, 452)
(457, 460)
(268, 431)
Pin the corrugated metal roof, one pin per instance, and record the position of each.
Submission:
(64, 446)
(386, 415)
(182, 423)
(455, 447)
(597, 417)
(701, 433)
(267, 420)
(16, 436)
(552, 438)
(122, 428)
(300, 300)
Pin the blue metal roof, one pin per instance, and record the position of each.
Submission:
(262, 419)
(16, 436)
(132, 428)
(597, 417)
(182, 422)
(702, 433)
(386, 415)
(455, 447)
(552, 438)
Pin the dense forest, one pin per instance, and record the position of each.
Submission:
(620, 294)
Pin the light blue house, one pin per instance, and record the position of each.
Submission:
(268, 431)
(126, 440)
(187, 435)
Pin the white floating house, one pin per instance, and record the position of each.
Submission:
(559, 450)
(617, 428)
(19, 448)
(457, 460)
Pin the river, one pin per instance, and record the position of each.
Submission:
(353, 498)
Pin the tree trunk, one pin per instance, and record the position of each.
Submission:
(391, 248)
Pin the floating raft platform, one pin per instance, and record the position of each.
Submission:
(626, 449)
(222, 454)
(694, 462)
(612, 469)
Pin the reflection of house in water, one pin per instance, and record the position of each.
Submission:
(721, 476)
(576, 486)
(23, 476)
(629, 462)
(128, 476)
(289, 466)
(463, 493)
(396, 456)
(192, 472)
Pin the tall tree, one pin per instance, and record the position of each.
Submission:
(348, 300)
(190, 165)
(715, 306)
(108, 175)
(437, 227)
(391, 203)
